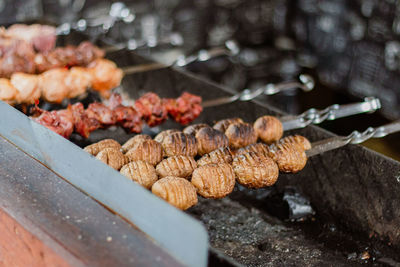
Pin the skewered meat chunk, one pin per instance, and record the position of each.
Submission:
(289, 157)
(152, 109)
(269, 129)
(214, 180)
(148, 150)
(8, 93)
(95, 148)
(259, 148)
(112, 157)
(179, 144)
(194, 128)
(18, 57)
(160, 137)
(106, 75)
(27, 86)
(60, 122)
(185, 108)
(101, 113)
(220, 155)
(180, 166)
(52, 85)
(240, 135)
(132, 141)
(82, 123)
(297, 140)
(77, 81)
(42, 37)
(209, 139)
(178, 192)
(254, 170)
(141, 172)
(222, 125)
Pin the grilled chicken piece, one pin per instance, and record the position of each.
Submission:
(240, 135)
(209, 139)
(78, 81)
(180, 166)
(132, 141)
(8, 93)
(254, 170)
(141, 172)
(222, 125)
(290, 157)
(152, 109)
(214, 180)
(112, 157)
(160, 137)
(179, 143)
(41, 37)
(27, 86)
(185, 108)
(178, 192)
(148, 150)
(220, 155)
(95, 148)
(106, 75)
(53, 85)
(194, 128)
(268, 128)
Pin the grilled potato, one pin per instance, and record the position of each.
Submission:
(178, 192)
(148, 150)
(297, 139)
(220, 155)
(258, 148)
(214, 180)
(268, 128)
(289, 157)
(179, 143)
(180, 166)
(254, 170)
(209, 139)
(132, 141)
(112, 157)
(95, 148)
(240, 135)
(222, 125)
(193, 129)
(141, 172)
(160, 137)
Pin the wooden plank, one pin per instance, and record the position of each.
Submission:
(60, 217)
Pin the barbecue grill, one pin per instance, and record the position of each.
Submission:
(51, 214)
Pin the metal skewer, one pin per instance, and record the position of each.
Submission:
(355, 137)
(230, 49)
(315, 116)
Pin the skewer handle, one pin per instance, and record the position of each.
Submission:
(355, 137)
(306, 83)
(314, 116)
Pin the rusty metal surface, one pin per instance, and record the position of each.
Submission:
(69, 221)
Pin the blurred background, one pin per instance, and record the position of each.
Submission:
(352, 48)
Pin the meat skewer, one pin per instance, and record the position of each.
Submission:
(154, 110)
(57, 84)
(20, 57)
